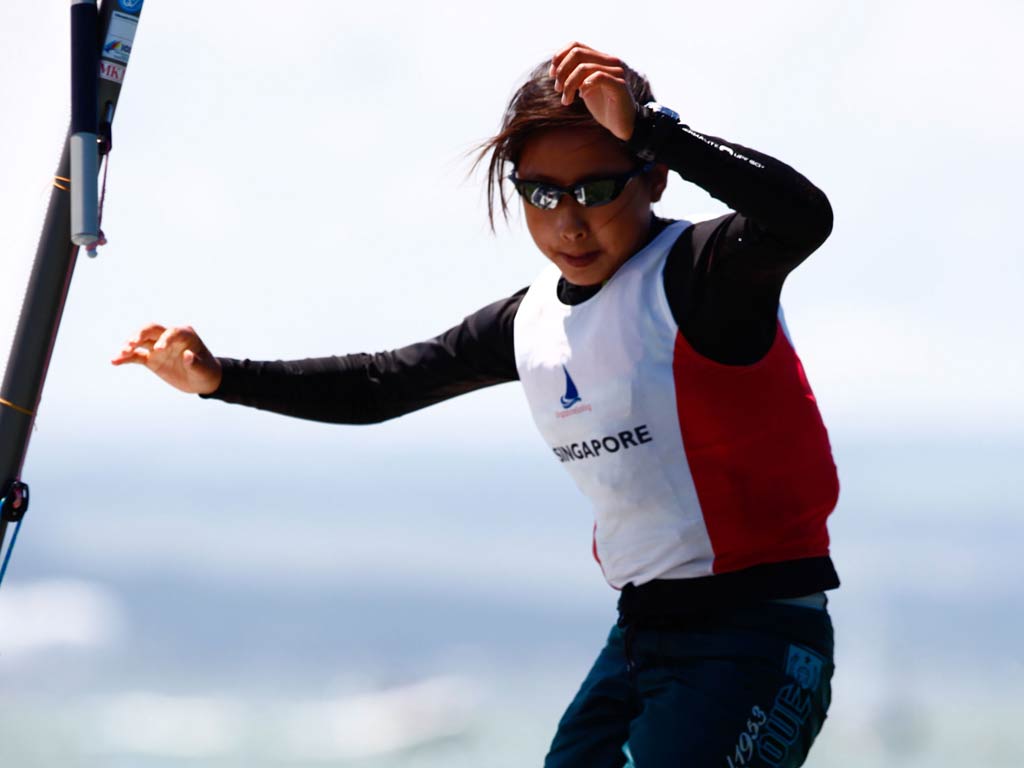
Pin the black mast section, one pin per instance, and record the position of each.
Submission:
(54, 264)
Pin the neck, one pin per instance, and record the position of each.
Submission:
(570, 293)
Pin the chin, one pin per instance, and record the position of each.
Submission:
(584, 276)
(595, 272)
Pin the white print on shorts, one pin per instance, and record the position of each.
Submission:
(744, 750)
(773, 734)
(792, 705)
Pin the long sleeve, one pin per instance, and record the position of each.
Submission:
(724, 278)
(777, 198)
(370, 388)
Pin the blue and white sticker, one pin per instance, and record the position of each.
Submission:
(804, 666)
(120, 35)
(132, 6)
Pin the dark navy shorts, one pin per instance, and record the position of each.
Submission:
(745, 687)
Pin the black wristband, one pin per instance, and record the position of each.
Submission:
(653, 125)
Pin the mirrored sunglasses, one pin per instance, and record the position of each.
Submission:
(589, 194)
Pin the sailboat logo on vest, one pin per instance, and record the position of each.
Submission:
(572, 395)
(571, 398)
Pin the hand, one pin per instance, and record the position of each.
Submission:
(176, 355)
(601, 81)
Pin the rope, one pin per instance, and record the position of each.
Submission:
(103, 188)
(101, 238)
(14, 540)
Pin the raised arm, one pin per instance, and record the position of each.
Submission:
(724, 279)
(777, 200)
(764, 190)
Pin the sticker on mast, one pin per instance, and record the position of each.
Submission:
(111, 71)
(120, 35)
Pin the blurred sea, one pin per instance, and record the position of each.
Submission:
(242, 605)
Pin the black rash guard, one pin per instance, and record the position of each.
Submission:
(723, 279)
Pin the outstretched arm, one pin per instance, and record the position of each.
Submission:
(370, 388)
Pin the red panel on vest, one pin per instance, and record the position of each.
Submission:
(759, 455)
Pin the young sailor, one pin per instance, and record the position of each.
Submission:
(656, 361)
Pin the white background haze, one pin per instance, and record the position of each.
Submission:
(291, 179)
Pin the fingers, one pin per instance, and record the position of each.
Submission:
(131, 355)
(128, 353)
(587, 75)
(177, 355)
(576, 50)
(571, 56)
(143, 340)
(152, 343)
(174, 336)
(149, 332)
(600, 80)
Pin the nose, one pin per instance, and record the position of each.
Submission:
(571, 224)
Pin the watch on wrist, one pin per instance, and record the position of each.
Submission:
(654, 122)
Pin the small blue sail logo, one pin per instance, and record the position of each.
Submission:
(572, 395)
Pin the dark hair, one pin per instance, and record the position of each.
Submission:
(534, 107)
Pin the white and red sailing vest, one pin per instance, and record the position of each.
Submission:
(693, 467)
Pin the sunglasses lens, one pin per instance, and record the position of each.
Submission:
(539, 195)
(597, 192)
(587, 193)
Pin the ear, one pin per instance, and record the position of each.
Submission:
(657, 180)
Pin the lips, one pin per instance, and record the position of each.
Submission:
(579, 260)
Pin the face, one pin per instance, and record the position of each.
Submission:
(588, 244)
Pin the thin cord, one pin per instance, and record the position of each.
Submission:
(14, 539)
(101, 238)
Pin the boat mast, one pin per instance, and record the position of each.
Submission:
(101, 45)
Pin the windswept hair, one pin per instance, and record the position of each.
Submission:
(536, 106)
